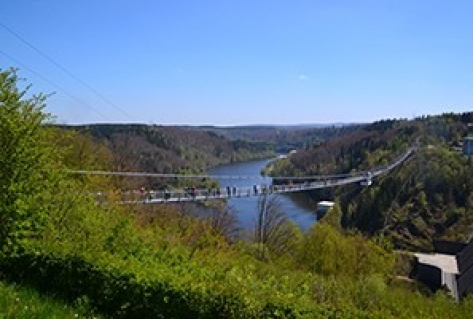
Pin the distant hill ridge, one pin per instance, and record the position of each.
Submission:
(193, 149)
(168, 149)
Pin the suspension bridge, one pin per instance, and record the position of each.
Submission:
(288, 185)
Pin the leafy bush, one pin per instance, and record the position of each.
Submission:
(326, 251)
(28, 165)
(18, 302)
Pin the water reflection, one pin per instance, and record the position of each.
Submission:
(297, 206)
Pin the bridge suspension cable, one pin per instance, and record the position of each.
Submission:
(376, 171)
(212, 176)
(194, 194)
(162, 175)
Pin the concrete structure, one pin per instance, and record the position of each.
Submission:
(449, 267)
(322, 208)
(325, 204)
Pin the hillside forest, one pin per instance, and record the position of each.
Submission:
(429, 197)
(63, 250)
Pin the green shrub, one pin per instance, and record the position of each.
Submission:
(18, 302)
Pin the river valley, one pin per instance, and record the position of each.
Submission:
(297, 206)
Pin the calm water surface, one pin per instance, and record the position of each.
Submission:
(297, 206)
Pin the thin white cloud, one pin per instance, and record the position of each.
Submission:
(303, 77)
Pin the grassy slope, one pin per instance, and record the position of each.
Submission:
(20, 302)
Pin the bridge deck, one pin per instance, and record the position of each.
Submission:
(176, 196)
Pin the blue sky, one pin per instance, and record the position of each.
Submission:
(226, 62)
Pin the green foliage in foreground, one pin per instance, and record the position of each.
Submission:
(26, 303)
(27, 165)
(58, 239)
(126, 271)
(174, 286)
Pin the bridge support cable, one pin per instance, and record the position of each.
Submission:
(388, 214)
(312, 182)
(207, 176)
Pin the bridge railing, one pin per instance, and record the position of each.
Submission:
(288, 185)
(191, 194)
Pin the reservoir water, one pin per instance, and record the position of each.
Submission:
(297, 206)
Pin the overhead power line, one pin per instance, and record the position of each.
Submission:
(59, 88)
(62, 68)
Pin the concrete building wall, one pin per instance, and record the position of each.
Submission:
(452, 270)
(464, 279)
(449, 281)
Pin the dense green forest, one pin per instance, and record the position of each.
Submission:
(167, 149)
(282, 138)
(170, 149)
(187, 149)
(429, 197)
(122, 261)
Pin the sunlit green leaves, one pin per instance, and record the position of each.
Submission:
(28, 163)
